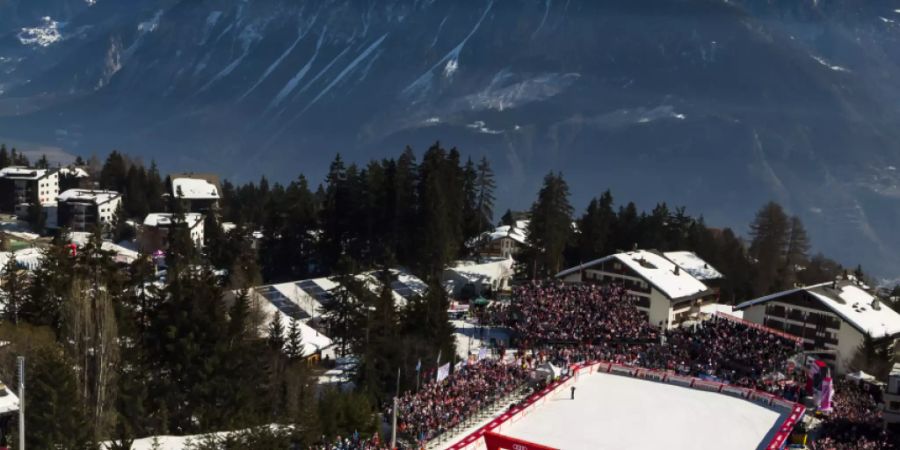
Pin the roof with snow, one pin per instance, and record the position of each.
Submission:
(97, 197)
(194, 189)
(76, 172)
(658, 271)
(22, 173)
(306, 299)
(312, 341)
(850, 302)
(694, 265)
(491, 269)
(165, 219)
(9, 402)
(27, 258)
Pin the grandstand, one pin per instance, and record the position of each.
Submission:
(618, 407)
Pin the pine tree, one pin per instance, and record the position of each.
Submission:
(796, 253)
(13, 289)
(294, 344)
(42, 163)
(5, 160)
(276, 333)
(770, 232)
(484, 186)
(54, 414)
(550, 227)
(595, 228)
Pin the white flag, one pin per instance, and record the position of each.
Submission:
(482, 353)
(443, 372)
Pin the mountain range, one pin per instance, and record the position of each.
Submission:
(716, 105)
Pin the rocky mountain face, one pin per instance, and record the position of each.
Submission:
(716, 105)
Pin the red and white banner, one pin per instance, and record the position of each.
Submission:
(495, 441)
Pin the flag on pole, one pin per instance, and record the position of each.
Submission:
(419, 365)
(443, 372)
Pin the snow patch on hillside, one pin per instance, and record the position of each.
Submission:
(43, 35)
(501, 95)
(151, 25)
(827, 64)
(482, 127)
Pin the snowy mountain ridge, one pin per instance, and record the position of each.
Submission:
(726, 104)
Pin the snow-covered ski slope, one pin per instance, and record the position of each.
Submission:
(613, 412)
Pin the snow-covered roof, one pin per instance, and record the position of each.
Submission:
(694, 265)
(303, 299)
(312, 341)
(76, 172)
(121, 253)
(9, 402)
(27, 258)
(492, 269)
(97, 197)
(165, 219)
(404, 286)
(660, 272)
(850, 302)
(194, 189)
(22, 173)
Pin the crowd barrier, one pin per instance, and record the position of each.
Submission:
(793, 411)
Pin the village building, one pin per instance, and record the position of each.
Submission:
(307, 301)
(833, 319)
(157, 227)
(84, 209)
(667, 294)
(21, 187)
(198, 193)
(503, 242)
(482, 278)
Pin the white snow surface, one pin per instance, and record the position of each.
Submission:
(44, 35)
(694, 265)
(612, 412)
(194, 188)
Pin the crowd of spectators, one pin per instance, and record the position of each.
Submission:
(354, 442)
(556, 313)
(856, 422)
(441, 405)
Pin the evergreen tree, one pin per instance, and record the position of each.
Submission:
(294, 344)
(42, 163)
(13, 289)
(53, 413)
(276, 333)
(595, 228)
(484, 187)
(114, 174)
(5, 160)
(550, 227)
(770, 232)
(796, 255)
